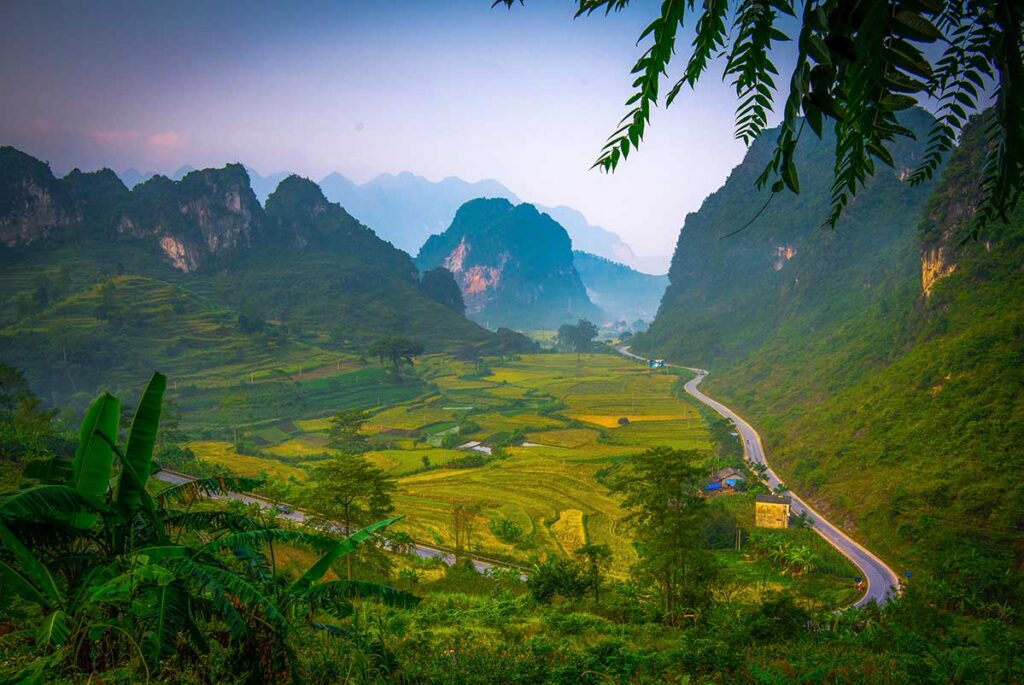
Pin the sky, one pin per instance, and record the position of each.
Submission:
(526, 96)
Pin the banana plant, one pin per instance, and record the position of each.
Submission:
(100, 563)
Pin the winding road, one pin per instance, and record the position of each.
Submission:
(882, 581)
(482, 564)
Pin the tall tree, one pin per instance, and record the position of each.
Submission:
(661, 492)
(26, 428)
(343, 434)
(396, 351)
(596, 559)
(857, 65)
(350, 489)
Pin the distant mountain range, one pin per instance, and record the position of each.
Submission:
(624, 294)
(94, 277)
(406, 209)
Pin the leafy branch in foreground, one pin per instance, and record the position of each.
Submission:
(857, 65)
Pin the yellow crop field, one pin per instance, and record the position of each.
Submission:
(566, 437)
(568, 411)
(569, 530)
(607, 421)
(410, 416)
(224, 454)
(296, 448)
(311, 425)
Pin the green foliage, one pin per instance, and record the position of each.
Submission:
(396, 351)
(27, 430)
(577, 338)
(344, 435)
(112, 586)
(661, 492)
(505, 529)
(556, 577)
(440, 286)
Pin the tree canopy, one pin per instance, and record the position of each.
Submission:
(857, 65)
(396, 351)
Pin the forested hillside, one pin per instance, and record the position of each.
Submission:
(98, 283)
(513, 264)
(887, 374)
(621, 292)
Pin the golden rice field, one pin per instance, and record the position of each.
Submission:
(567, 408)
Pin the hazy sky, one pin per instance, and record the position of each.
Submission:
(456, 88)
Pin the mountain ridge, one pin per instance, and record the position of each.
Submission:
(513, 264)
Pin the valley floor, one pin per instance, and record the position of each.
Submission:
(558, 427)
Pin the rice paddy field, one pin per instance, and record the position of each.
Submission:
(566, 414)
(557, 424)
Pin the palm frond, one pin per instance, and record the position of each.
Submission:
(45, 502)
(201, 488)
(211, 521)
(267, 536)
(138, 454)
(345, 546)
(224, 587)
(94, 458)
(324, 594)
(29, 570)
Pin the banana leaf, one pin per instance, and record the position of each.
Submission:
(345, 546)
(94, 457)
(138, 456)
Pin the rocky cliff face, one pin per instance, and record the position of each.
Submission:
(206, 214)
(784, 275)
(513, 265)
(951, 208)
(33, 204)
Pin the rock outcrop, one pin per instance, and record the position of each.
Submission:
(513, 264)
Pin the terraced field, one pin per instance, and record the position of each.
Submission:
(557, 425)
(554, 422)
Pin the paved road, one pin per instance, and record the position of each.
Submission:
(882, 581)
(298, 516)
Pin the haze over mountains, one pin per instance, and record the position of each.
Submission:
(406, 209)
(82, 255)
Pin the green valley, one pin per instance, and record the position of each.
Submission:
(403, 426)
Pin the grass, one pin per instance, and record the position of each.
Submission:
(224, 454)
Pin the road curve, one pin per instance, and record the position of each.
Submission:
(298, 516)
(882, 581)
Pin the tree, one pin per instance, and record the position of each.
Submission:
(439, 285)
(343, 434)
(350, 489)
(26, 428)
(464, 519)
(586, 331)
(396, 351)
(661, 492)
(857, 65)
(555, 576)
(596, 559)
(578, 338)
